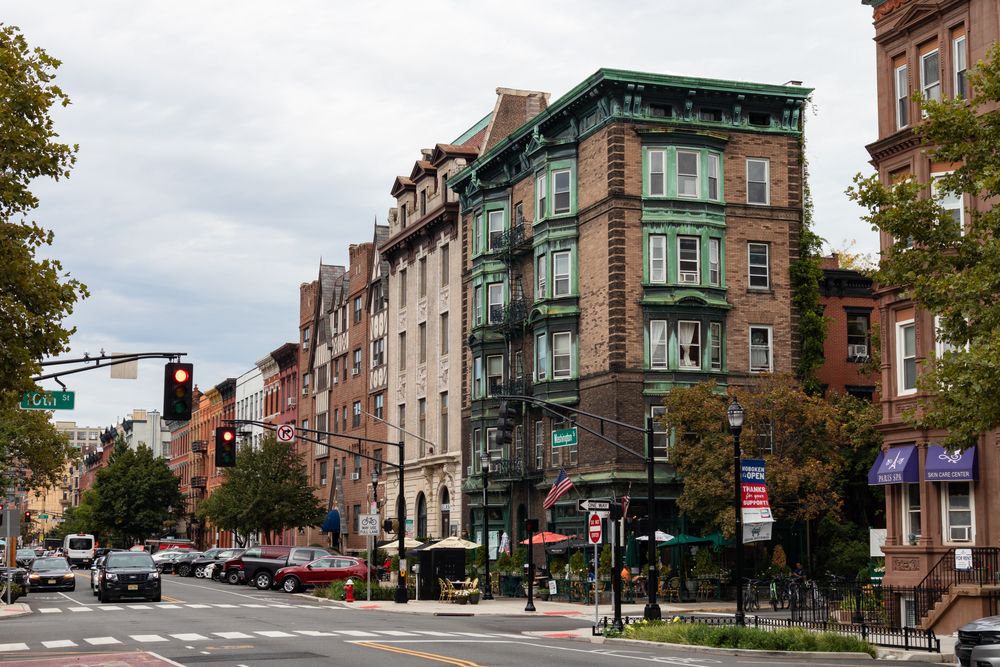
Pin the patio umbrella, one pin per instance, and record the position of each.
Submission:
(717, 539)
(408, 543)
(661, 537)
(632, 552)
(453, 542)
(683, 538)
(546, 538)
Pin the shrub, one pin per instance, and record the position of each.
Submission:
(335, 591)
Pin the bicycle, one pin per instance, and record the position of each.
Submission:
(779, 593)
(751, 599)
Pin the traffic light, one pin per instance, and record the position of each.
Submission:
(507, 416)
(177, 394)
(225, 447)
(27, 516)
(390, 525)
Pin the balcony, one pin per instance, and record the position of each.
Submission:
(509, 319)
(513, 240)
(516, 387)
(506, 469)
(199, 446)
(199, 482)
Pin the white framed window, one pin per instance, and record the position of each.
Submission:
(657, 343)
(758, 181)
(958, 512)
(477, 377)
(477, 305)
(930, 75)
(657, 160)
(858, 325)
(379, 406)
(959, 60)
(658, 259)
(493, 450)
(561, 183)
(687, 174)
(356, 368)
(906, 358)
(562, 360)
(951, 202)
(911, 513)
(689, 344)
(714, 262)
(477, 234)
(541, 358)
(688, 259)
(715, 332)
(494, 294)
(902, 82)
(494, 373)
(495, 222)
(761, 358)
(541, 196)
(941, 346)
(560, 273)
(758, 263)
(712, 167)
(541, 272)
(539, 445)
(661, 437)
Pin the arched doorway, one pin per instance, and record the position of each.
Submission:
(445, 512)
(421, 516)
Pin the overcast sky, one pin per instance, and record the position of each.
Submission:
(227, 146)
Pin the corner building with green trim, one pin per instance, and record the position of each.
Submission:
(633, 237)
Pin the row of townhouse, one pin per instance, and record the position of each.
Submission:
(595, 252)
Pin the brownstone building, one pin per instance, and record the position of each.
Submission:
(936, 501)
(849, 308)
(634, 237)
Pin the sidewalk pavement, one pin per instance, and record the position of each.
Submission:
(14, 610)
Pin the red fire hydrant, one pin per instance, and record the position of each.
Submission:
(349, 591)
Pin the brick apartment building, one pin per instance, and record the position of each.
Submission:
(936, 501)
(849, 308)
(634, 237)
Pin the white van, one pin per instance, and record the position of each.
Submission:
(79, 549)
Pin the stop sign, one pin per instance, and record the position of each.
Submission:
(594, 530)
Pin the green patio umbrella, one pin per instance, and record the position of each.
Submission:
(681, 539)
(632, 552)
(717, 539)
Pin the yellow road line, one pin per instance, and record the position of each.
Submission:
(458, 662)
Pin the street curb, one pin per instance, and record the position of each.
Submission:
(825, 655)
(6, 611)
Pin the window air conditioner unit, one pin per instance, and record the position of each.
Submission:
(305, 391)
(355, 476)
(961, 533)
(857, 351)
(354, 371)
(291, 402)
(689, 277)
(336, 379)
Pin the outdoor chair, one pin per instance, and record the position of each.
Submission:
(673, 591)
(706, 590)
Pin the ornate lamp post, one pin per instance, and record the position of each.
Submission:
(735, 414)
(484, 459)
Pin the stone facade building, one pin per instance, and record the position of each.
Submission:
(634, 237)
(936, 501)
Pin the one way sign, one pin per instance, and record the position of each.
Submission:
(593, 505)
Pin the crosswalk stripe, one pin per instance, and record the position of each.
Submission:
(396, 633)
(100, 641)
(140, 606)
(168, 606)
(80, 609)
(233, 635)
(110, 607)
(59, 643)
(190, 637)
(50, 610)
(255, 606)
(13, 647)
(199, 606)
(148, 638)
(273, 633)
(507, 634)
(472, 634)
(316, 633)
(433, 633)
(226, 606)
(356, 633)
(280, 606)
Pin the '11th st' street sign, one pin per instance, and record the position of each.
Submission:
(564, 437)
(47, 400)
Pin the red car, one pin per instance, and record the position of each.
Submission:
(320, 572)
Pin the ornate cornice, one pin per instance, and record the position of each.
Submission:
(894, 144)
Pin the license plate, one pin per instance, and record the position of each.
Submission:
(133, 587)
(52, 581)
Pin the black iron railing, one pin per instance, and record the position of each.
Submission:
(506, 469)
(199, 446)
(199, 482)
(984, 570)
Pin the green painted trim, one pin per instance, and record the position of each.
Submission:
(673, 298)
(670, 172)
(672, 230)
(472, 131)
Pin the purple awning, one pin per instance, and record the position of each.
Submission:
(872, 474)
(899, 465)
(947, 466)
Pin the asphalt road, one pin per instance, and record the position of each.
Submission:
(205, 622)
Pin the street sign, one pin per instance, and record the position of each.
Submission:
(48, 400)
(286, 433)
(368, 524)
(594, 528)
(564, 437)
(593, 505)
(43, 517)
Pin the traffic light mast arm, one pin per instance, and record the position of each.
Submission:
(101, 362)
(274, 427)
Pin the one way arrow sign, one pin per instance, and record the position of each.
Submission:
(593, 505)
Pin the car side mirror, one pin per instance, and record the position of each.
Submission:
(309, 566)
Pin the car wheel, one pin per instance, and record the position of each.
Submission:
(156, 598)
(101, 597)
(233, 577)
(262, 580)
(199, 572)
(184, 571)
(72, 588)
(290, 584)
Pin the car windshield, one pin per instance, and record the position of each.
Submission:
(44, 564)
(129, 559)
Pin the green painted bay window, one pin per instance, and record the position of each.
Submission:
(680, 172)
(555, 190)
(555, 356)
(685, 344)
(682, 255)
(555, 272)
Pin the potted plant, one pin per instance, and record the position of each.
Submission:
(473, 596)
(462, 597)
(503, 567)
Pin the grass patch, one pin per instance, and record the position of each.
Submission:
(732, 636)
(335, 591)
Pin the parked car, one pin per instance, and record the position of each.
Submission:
(209, 561)
(39, 551)
(128, 574)
(182, 564)
(258, 565)
(25, 556)
(165, 560)
(320, 572)
(17, 575)
(51, 574)
(983, 631)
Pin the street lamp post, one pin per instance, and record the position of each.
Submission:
(484, 459)
(371, 539)
(735, 415)
(652, 610)
(401, 594)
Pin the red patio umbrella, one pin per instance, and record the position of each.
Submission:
(545, 538)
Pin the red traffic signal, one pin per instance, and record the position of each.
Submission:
(225, 447)
(27, 517)
(177, 391)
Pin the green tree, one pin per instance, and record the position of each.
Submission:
(136, 494)
(949, 271)
(36, 294)
(267, 491)
(79, 519)
(33, 454)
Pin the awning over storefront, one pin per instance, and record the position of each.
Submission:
(873, 473)
(332, 522)
(945, 466)
(897, 466)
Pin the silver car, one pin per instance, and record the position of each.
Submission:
(983, 637)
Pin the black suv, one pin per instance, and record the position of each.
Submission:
(126, 574)
(258, 564)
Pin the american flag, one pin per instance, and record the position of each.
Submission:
(562, 484)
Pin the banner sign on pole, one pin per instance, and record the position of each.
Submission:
(757, 532)
(756, 508)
